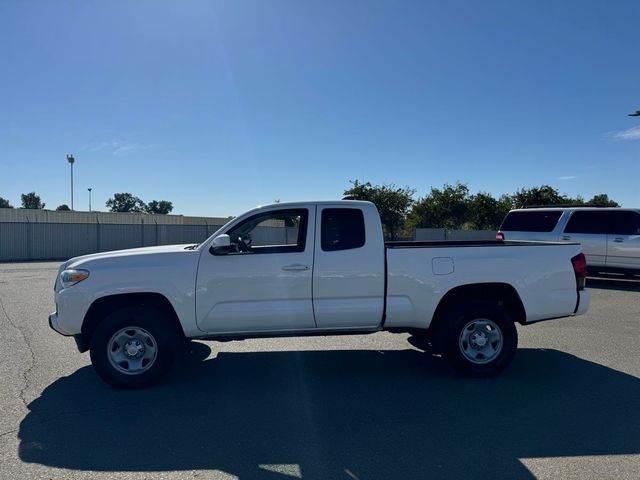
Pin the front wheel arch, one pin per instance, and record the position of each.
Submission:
(102, 307)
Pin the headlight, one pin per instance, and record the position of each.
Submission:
(68, 278)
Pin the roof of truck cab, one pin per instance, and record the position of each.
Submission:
(359, 203)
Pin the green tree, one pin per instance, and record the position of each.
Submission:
(4, 203)
(159, 206)
(539, 196)
(441, 208)
(486, 212)
(603, 200)
(31, 201)
(63, 208)
(125, 202)
(392, 202)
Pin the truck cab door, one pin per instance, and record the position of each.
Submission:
(263, 283)
(349, 268)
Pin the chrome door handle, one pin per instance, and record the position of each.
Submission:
(618, 240)
(296, 267)
(566, 237)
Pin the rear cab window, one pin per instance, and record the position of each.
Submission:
(342, 229)
(532, 221)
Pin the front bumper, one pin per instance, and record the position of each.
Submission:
(80, 340)
(55, 325)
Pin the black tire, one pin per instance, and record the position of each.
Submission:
(466, 327)
(150, 330)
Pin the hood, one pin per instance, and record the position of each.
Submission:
(143, 251)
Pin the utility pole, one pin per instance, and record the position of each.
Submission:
(71, 161)
(89, 197)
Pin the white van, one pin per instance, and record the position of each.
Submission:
(610, 237)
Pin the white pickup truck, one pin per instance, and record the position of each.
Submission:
(313, 268)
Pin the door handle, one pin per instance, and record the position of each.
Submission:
(566, 237)
(296, 267)
(618, 240)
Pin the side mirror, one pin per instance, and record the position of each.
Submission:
(221, 245)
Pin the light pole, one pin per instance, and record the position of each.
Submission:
(71, 161)
(89, 197)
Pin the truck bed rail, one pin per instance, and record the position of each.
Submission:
(468, 243)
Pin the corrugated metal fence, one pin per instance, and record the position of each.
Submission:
(59, 241)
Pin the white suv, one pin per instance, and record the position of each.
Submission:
(610, 237)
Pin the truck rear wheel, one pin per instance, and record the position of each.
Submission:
(480, 339)
(133, 347)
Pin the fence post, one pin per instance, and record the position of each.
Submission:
(29, 242)
(98, 233)
(156, 222)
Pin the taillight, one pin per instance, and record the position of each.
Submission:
(580, 269)
(500, 236)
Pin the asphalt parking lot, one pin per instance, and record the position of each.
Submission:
(352, 407)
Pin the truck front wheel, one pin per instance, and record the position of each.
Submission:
(480, 339)
(133, 347)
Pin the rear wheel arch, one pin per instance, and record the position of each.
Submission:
(104, 306)
(499, 294)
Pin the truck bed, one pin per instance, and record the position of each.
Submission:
(420, 273)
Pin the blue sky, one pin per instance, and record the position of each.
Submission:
(219, 106)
